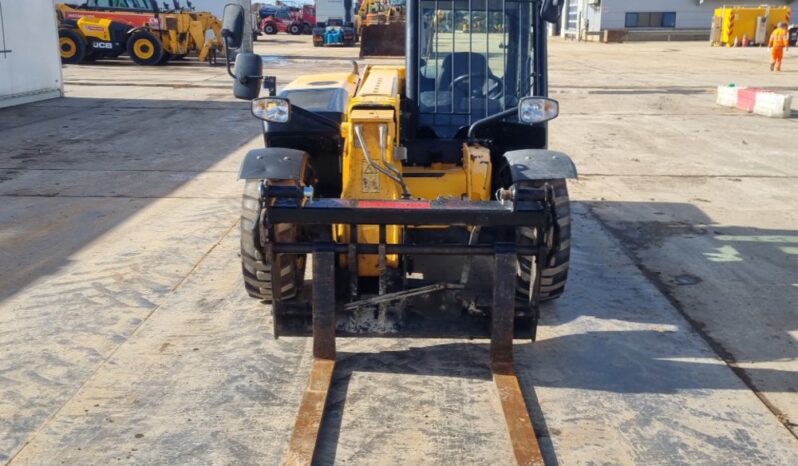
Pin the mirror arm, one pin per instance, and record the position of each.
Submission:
(227, 59)
(490, 119)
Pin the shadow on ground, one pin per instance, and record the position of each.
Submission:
(742, 277)
(71, 169)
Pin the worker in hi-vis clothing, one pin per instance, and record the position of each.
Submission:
(778, 43)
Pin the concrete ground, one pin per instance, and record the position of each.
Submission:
(125, 334)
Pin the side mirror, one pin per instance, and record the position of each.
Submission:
(551, 9)
(248, 76)
(233, 25)
(532, 110)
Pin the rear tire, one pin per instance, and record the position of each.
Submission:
(270, 29)
(71, 45)
(553, 276)
(257, 269)
(295, 29)
(144, 48)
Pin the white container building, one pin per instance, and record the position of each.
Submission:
(30, 63)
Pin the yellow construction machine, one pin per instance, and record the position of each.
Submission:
(110, 28)
(149, 34)
(204, 24)
(425, 194)
(380, 27)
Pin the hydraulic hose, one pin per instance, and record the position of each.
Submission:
(385, 171)
(383, 150)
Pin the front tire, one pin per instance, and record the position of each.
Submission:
(259, 281)
(270, 29)
(144, 48)
(72, 46)
(554, 275)
(295, 29)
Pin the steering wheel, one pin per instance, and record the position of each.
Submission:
(494, 91)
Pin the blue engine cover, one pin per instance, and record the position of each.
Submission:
(334, 36)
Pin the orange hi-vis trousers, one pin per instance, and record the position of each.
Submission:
(777, 56)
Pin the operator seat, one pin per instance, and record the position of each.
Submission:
(457, 64)
(437, 97)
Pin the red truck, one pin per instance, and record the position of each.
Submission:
(290, 20)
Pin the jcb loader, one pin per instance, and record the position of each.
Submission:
(150, 35)
(97, 29)
(425, 195)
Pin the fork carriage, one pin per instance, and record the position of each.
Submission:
(393, 303)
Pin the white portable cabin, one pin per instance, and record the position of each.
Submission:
(30, 63)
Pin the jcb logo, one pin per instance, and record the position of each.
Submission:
(102, 45)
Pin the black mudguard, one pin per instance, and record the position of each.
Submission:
(274, 163)
(539, 164)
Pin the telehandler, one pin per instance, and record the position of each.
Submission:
(96, 29)
(149, 34)
(425, 194)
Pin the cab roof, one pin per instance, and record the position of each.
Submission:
(322, 81)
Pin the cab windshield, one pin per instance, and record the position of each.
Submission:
(122, 4)
(474, 58)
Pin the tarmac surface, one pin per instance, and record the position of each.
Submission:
(126, 335)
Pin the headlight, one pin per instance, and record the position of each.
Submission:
(274, 109)
(533, 110)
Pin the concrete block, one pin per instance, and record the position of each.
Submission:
(727, 96)
(746, 98)
(771, 104)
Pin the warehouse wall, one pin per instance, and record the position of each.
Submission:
(577, 14)
(690, 14)
(30, 64)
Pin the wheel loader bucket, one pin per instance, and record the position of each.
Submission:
(382, 40)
